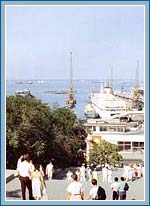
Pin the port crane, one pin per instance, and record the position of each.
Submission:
(135, 98)
(71, 102)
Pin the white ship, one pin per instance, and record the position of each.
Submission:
(106, 104)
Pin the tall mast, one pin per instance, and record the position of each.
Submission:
(137, 75)
(111, 80)
(135, 103)
(71, 101)
(71, 83)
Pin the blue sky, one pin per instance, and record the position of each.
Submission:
(101, 38)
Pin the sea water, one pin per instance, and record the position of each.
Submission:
(83, 88)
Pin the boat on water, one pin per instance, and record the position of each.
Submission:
(25, 93)
(40, 81)
(90, 112)
(106, 104)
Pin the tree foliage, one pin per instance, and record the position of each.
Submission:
(103, 153)
(32, 127)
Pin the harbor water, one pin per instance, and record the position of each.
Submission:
(42, 90)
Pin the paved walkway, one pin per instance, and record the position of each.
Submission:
(56, 188)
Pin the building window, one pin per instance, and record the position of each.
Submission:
(124, 146)
(94, 128)
(137, 146)
(103, 128)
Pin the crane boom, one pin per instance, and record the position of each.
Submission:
(71, 101)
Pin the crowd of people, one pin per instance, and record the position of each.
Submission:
(32, 176)
(119, 186)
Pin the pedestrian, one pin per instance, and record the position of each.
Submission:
(78, 173)
(109, 173)
(49, 170)
(19, 161)
(68, 175)
(139, 170)
(32, 165)
(75, 189)
(82, 173)
(115, 187)
(96, 192)
(105, 173)
(122, 191)
(95, 174)
(24, 171)
(143, 171)
(93, 190)
(42, 170)
(89, 173)
(38, 183)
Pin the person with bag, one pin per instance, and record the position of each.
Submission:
(96, 192)
(123, 187)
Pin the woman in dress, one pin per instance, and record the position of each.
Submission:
(37, 183)
(75, 189)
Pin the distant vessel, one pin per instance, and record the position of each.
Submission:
(40, 81)
(29, 82)
(90, 112)
(106, 104)
(24, 93)
(57, 92)
(19, 82)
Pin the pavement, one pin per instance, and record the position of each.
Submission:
(56, 188)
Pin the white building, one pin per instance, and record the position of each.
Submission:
(129, 137)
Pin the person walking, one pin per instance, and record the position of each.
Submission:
(68, 175)
(82, 173)
(49, 170)
(42, 170)
(122, 191)
(93, 190)
(95, 174)
(105, 174)
(89, 173)
(24, 172)
(32, 165)
(96, 192)
(115, 187)
(37, 183)
(75, 189)
(109, 173)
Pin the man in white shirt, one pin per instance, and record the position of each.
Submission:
(24, 171)
(115, 187)
(82, 173)
(49, 170)
(105, 174)
(93, 190)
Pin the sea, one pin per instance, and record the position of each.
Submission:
(40, 89)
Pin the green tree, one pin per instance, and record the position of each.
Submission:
(69, 137)
(32, 127)
(103, 153)
(27, 127)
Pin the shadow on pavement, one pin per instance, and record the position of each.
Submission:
(14, 193)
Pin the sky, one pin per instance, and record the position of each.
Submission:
(104, 40)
